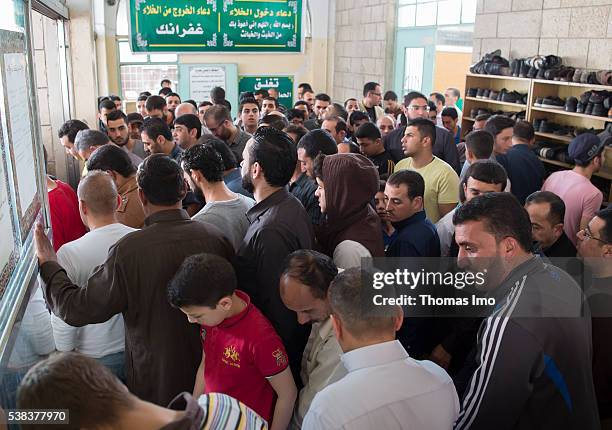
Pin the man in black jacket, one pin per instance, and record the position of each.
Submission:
(547, 211)
(415, 106)
(533, 359)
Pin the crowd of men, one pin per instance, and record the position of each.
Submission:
(215, 265)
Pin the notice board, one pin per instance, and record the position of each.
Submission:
(283, 84)
(215, 25)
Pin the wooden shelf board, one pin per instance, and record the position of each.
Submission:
(578, 115)
(509, 78)
(603, 175)
(573, 84)
(554, 136)
(518, 105)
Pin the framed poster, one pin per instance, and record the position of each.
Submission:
(196, 80)
(215, 25)
(282, 84)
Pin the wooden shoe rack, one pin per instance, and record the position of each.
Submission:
(536, 88)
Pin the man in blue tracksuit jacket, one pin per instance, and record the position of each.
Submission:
(533, 352)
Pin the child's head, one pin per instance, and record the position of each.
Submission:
(202, 288)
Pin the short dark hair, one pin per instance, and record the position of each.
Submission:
(439, 97)
(480, 143)
(350, 99)
(202, 280)
(413, 181)
(117, 114)
(219, 113)
(311, 268)
(279, 122)
(368, 130)
(498, 123)
(317, 142)
(85, 139)
(165, 91)
(142, 98)
(482, 117)
(161, 180)
(272, 99)
(205, 159)
(204, 103)
(295, 113)
(298, 130)
(248, 101)
(70, 129)
(369, 86)
(357, 115)
(190, 121)
(523, 130)
(82, 385)
(163, 81)
(155, 103)
(134, 117)
(305, 85)
(191, 102)
(145, 93)
(487, 171)
(262, 92)
(217, 94)
(111, 157)
(390, 95)
(228, 157)
(300, 102)
(173, 94)
(556, 206)
(155, 127)
(106, 104)
(413, 95)
(323, 97)
(340, 123)
(339, 111)
(276, 153)
(450, 111)
(502, 215)
(381, 185)
(114, 98)
(606, 231)
(432, 106)
(426, 128)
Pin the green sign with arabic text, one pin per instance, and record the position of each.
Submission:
(216, 25)
(282, 84)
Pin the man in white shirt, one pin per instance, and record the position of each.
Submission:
(384, 387)
(98, 202)
(303, 289)
(203, 169)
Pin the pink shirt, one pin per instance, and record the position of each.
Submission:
(582, 199)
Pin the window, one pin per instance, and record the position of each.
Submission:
(424, 13)
(141, 72)
(413, 69)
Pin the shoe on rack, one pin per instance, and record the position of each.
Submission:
(515, 67)
(570, 104)
(532, 72)
(493, 95)
(553, 103)
(485, 93)
(479, 92)
(511, 97)
(589, 109)
(524, 69)
(584, 97)
(577, 75)
(536, 123)
(473, 112)
(538, 101)
(471, 92)
(580, 107)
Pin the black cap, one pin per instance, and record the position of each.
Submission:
(584, 147)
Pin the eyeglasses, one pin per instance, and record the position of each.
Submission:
(586, 232)
(416, 107)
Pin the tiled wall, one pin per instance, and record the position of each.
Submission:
(580, 31)
(363, 45)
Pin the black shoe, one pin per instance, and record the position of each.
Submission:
(553, 103)
(479, 92)
(511, 97)
(474, 112)
(538, 101)
(584, 97)
(525, 99)
(493, 95)
(513, 66)
(543, 125)
(501, 94)
(570, 104)
(540, 74)
(531, 74)
(536, 123)
(482, 111)
(485, 93)
(524, 69)
(599, 110)
(589, 109)
(471, 92)
(580, 107)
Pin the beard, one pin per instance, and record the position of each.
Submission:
(122, 142)
(247, 183)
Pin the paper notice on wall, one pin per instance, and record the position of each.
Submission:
(7, 233)
(20, 125)
(204, 79)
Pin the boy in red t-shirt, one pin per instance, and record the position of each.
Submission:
(242, 356)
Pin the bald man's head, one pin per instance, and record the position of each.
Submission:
(185, 108)
(99, 193)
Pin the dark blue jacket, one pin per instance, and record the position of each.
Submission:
(416, 237)
(525, 170)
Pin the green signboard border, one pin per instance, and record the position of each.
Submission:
(258, 49)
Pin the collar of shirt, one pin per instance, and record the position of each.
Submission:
(299, 182)
(515, 275)
(167, 215)
(176, 152)
(374, 355)
(228, 322)
(261, 207)
(417, 217)
(324, 328)
(128, 186)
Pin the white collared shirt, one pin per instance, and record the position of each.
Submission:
(385, 389)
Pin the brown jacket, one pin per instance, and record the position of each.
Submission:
(130, 211)
(162, 349)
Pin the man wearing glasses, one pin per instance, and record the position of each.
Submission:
(372, 96)
(416, 106)
(595, 248)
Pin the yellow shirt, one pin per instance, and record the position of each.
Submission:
(441, 184)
